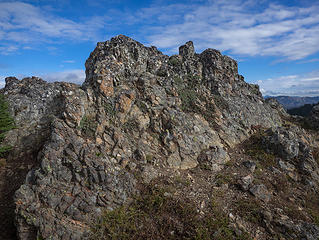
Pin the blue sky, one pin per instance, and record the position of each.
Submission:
(276, 43)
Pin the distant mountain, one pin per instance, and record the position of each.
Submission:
(295, 102)
(304, 110)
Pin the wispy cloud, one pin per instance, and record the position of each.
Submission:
(22, 23)
(74, 76)
(292, 85)
(240, 27)
(8, 49)
(309, 61)
(68, 61)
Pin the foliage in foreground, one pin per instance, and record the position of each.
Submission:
(6, 124)
(155, 214)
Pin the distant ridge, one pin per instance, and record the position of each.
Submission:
(293, 102)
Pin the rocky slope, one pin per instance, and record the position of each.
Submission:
(188, 124)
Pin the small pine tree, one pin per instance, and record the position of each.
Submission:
(6, 124)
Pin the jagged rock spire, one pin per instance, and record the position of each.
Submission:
(187, 50)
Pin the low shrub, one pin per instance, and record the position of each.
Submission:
(156, 214)
(174, 61)
(88, 126)
(6, 124)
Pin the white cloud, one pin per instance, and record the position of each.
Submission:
(22, 23)
(240, 27)
(6, 50)
(309, 61)
(292, 85)
(68, 61)
(74, 76)
(2, 81)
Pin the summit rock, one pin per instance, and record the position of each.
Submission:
(141, 116)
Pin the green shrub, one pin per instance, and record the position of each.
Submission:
(255, 149)
(6, 124)
(223, 179)
(110, 110)
(161, 73)
(188, 90)
(88, 125)
(250, 210)
(174, 61)
(189, 100)
(178, 82)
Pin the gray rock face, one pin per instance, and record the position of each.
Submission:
(276, 105)
(138, 112)
(33, 104)
(214, 158)
(293, 145)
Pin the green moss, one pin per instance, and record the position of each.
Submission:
(6, 124)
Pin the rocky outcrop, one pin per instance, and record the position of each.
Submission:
(140, 115)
